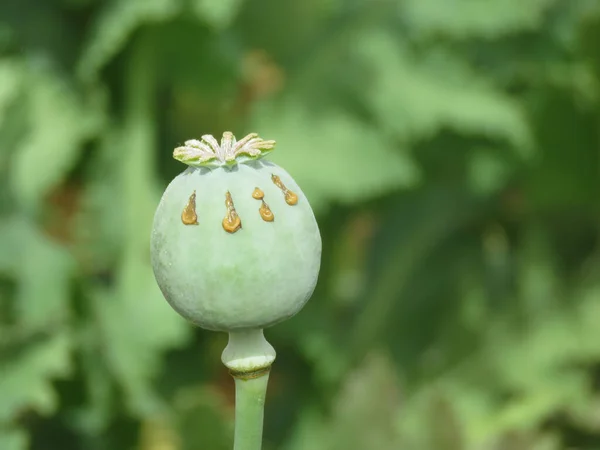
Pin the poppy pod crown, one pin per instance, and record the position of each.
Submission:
(235, 244)
(207, 152)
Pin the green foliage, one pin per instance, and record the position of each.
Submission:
(487, 19)
(59, 124)
(218, 13)
(115, 25)
(450, 149)
(409, 98)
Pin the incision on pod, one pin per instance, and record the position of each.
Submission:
(266, 213)
(188, 216)
(258, 194)
(231, 222)
(290, 197)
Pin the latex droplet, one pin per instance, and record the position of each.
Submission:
(232, 222)
(290, 197)
(258, 194)
(231, 225)
(188, 216)
(266, 213)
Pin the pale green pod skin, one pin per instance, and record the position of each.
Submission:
(253, 278)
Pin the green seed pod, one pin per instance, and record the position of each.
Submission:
(235, 244)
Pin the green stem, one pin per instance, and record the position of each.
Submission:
(249, 356)
(249, 410)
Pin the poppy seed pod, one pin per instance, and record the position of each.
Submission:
(235, 244)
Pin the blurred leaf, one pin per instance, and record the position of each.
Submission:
(99, 224)
(10, 79)
(42, 270)
(429, 421)
(487, 172)
(93, 418)
(525, 441)
(44, 275)
(466, 18)
(13, 439)
(410, 232)
(410, 99)
(114, 27)
(219, 13)
(580, 79)
(59, 124)
(25, 379)
(201, 420)
(133, 349)
(363, 413)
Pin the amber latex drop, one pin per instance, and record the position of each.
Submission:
(266, 213)
(258, 194)
(231, 222)
(188, 216)
(290, 197)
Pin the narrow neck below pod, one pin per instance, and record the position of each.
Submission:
(249, 356)
(248, 353)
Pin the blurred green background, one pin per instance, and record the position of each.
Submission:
(451, 151)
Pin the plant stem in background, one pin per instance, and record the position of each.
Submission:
(250, 392)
